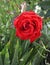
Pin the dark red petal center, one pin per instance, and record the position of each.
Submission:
(25, 26)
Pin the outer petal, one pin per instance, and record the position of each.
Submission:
(34, 37)
(15, 22)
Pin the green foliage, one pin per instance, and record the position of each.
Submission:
(14, 51)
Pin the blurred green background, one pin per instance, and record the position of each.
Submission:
(13, 51)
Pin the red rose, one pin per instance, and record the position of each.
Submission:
(28, 26)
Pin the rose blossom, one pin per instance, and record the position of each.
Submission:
(28, 26)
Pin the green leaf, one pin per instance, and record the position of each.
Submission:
(25, 45)
(15, 60)
(29, 63)
(13, 41)
(25, 57)
(1, 63)
(38, 58)
(6, 60)
(44, 4)
(47, 14)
